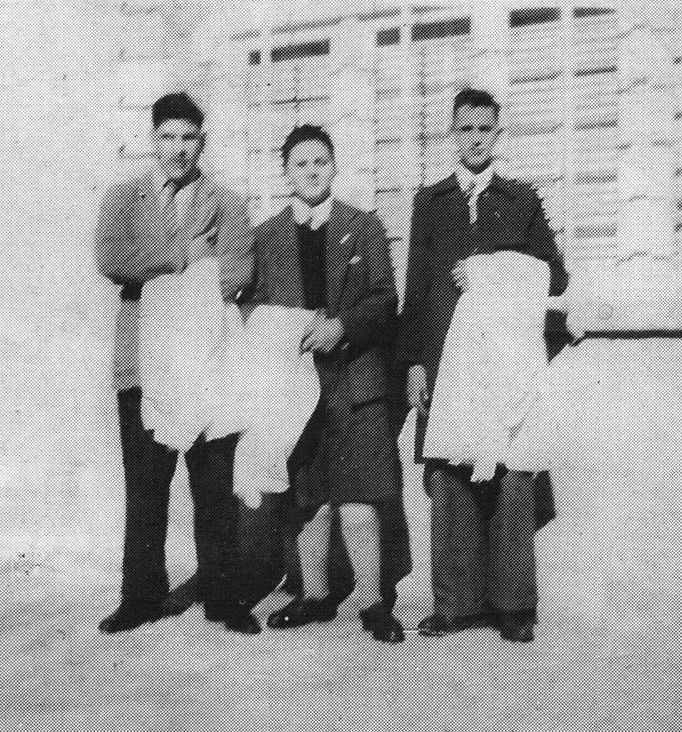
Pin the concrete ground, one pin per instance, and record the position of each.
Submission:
(183, 673)
(607, 655)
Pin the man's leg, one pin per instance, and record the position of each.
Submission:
(210, 468)
(315, 605)
(511, 571)
(260, 541)
(362, 533)
(458, 553)
(313, 550)
(148, 470)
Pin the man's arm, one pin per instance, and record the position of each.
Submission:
(410, 346)
(542, 244)
(119, 255)
(235, 247)
(409, 349)
(371, 321)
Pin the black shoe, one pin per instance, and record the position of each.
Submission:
(181, 598)
(303, 611)
(244, 623)
(518, 628)
(121, 619)
(379, 621)
(437, 625)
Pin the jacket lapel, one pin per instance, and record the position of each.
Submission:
(201, 209)
(341, 241)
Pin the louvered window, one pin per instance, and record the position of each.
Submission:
(292, 89)
(566, 112)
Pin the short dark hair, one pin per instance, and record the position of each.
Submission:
(176, 106)
(303, 134)
(475, 98)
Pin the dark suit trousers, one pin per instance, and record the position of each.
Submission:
(149, 469)
(482, 543)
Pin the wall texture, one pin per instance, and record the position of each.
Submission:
(56, 96)
(76, 82)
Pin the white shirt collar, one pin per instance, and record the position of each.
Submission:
(314, 216)
(481, 181)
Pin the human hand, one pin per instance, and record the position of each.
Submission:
(322, 335)
(417, 390)
(459, 276)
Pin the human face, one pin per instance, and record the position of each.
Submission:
(178, 144)
(310, 170)
(476, 130)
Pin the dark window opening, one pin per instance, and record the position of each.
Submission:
(441, 29)
(591, 12)
(388, 37)
(293, 51)
(533, 16)
(595, 71)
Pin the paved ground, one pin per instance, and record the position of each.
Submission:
(58, 673)
(608, 653)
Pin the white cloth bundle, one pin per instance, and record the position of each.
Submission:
(204, 371)
(181, 319)
(282, 391)
(492, 364)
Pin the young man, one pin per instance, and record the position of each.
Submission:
(156, 224)
(482, 534)
(324, 255)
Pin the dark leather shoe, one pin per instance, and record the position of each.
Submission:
(245, 623)
(121, 620)
(379, 621)
(437, 625)
(303, 611)
(517, 629)
(181, 598)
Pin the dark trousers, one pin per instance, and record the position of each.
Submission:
(225, 531)
(482, 543)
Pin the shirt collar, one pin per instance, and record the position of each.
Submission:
(481, 181)
(161, 180)
(314, 216)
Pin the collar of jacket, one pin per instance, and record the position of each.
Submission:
(450, 184)
(340, 244)
(148, 183)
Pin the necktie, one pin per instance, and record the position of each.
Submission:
(169, 212)
(472, 199)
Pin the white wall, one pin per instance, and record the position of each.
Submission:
(56, 102)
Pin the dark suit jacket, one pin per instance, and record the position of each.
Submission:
(360, 289)
(510, 217)
(133, 246)
(361, 293)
